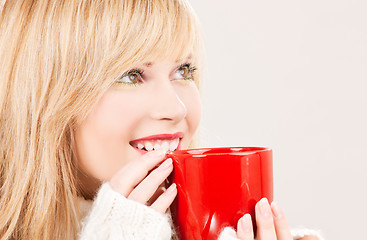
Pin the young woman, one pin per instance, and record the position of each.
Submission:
(92, 95)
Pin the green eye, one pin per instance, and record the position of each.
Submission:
(185, 72)
(133, 77)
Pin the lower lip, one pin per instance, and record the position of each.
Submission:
(142, 152)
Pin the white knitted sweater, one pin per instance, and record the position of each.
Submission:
(113, 217)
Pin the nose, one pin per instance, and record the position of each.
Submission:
(167, 104)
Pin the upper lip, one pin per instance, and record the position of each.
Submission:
(161, 137)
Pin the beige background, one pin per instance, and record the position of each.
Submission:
(291, 75)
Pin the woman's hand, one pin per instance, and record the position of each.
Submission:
(271, 224)
(139, 182)
(270, 221)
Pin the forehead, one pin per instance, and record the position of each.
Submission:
(166, 30)
(144, 35)
(188, 58)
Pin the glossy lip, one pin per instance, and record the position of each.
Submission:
(159, 137)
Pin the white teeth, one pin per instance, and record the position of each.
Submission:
(165, 145)
(148, 146)
(157, 146)
(174, 144)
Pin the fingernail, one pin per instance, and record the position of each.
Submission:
(246, 223)
(264, 207)
(171, 189)
(166, 164)
(277, 212)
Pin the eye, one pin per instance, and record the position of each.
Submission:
(132, 77)
(185, 72)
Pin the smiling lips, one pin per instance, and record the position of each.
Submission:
(168, 142)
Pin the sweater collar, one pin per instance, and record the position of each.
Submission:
(85, 206)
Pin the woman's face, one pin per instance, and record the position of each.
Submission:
(157, 101)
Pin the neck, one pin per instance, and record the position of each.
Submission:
(87, 185)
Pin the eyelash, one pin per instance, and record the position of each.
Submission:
(191, 69)
(140, 72)
(188, 65)
(135, 70)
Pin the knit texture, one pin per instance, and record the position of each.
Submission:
(228, 233)
(115, 217)
(298, 233)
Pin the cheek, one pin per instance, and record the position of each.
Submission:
(102, 140)
(194, 110)
(191, 98)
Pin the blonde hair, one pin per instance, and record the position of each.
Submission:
(57, 59)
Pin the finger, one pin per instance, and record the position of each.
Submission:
(165, 200)
(244, 228)
(146, 189)
(264, 221)
(281, 226)
(125, 180)
(155, 196)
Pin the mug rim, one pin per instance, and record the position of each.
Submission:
(206, 151)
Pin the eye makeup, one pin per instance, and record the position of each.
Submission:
(184, 72)
(133, 77)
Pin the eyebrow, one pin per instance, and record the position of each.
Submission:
(185, 59)
(149, 64)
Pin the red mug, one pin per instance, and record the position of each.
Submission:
(216, 187)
